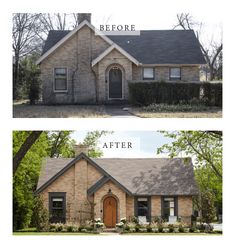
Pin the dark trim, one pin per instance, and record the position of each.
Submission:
(153, 73)
(175, 204)
(71, 163)
(149, 206)
(97, 185)
(174, 79)
(59, 195)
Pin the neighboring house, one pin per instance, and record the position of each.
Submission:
(81, 188)
(80, 66)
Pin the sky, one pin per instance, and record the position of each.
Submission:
(144, 143)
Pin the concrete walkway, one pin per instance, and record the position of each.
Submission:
(118, 111)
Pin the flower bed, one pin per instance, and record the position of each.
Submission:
(161, 227)
(95, 226)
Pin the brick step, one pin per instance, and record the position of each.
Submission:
(110, 230)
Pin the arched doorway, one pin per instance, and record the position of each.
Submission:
(115, 83)
(110, 211)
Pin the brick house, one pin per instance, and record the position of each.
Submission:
(75, 189)
(81, 66)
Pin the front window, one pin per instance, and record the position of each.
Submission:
(57, 207)
(175, 74)
(60, 76)
(148, 74)
(142, 209)
(168, 207)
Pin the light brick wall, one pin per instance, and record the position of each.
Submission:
(82, 48)
(75, 183)
(185, 208)
(156, 206)
(65, 183)
(119, 194)
(188, 73)
(130, 210)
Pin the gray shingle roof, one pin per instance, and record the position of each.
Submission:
(159, 176)
(152, 46)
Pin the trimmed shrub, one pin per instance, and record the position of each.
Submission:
(146, 93)
(171, 227)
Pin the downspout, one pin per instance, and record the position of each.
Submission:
(75, 71)
(94, 72)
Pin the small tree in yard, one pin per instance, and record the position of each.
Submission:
(40, 215)
(30, 79)
(208, 207)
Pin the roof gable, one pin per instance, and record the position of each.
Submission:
(61, 167)
(110, 49)
(63, 36)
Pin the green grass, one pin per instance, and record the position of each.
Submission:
(51, 233)
(33, 231)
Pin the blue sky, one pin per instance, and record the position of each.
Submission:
(144, 143)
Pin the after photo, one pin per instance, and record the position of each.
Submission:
(117, 183)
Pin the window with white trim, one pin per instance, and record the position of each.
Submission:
(175, 74)
(60, 79)
(168, 207)
(148, 73)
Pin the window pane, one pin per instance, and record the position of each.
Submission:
(175, 72)
(142, 208)
(169, 207)
(57, 203)
(148, 73)
(60, 71)
(60, 84)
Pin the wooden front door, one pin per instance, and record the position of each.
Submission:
(115, 83)
(110, 212)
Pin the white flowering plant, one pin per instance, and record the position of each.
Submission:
(123, 220)
(120, 225)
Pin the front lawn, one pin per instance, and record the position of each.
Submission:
(176, 111)
(58, 111)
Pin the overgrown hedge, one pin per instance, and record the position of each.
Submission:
(146, 93)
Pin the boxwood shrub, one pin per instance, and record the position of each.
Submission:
(146, 93)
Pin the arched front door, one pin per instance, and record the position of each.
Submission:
(110, 211)
(115, 83)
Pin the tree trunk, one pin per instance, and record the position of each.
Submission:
(30, 140)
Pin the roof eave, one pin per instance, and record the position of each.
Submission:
(70, 34)
(111, 48)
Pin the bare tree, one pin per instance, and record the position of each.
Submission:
(25, 41)
(212, 53)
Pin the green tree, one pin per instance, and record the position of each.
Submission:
(61, 144)
(92, 140)
(208, 209)
(26, 176)
(206, 149)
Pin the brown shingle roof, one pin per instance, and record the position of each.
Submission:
(154, 176)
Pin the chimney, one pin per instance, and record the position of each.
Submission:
(84, 16)
(80, 148)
